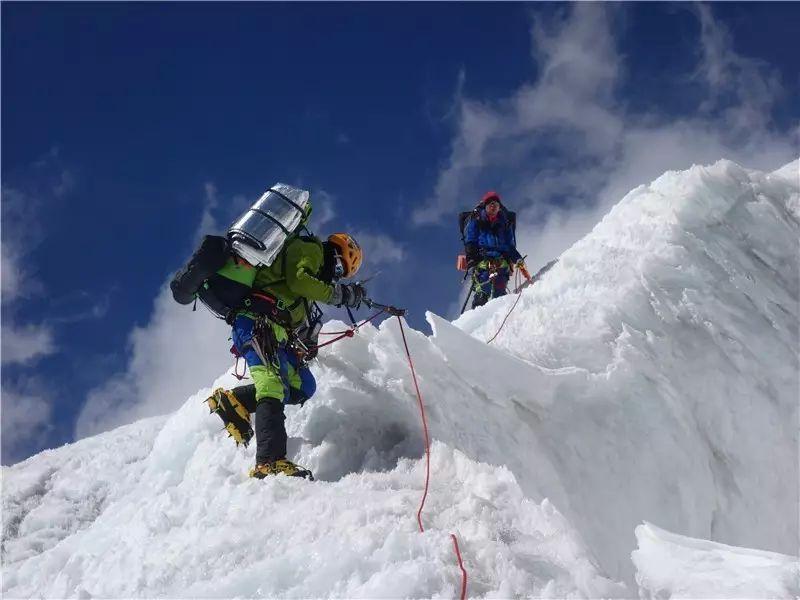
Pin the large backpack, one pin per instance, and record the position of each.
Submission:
(216, 276)
(222, 270)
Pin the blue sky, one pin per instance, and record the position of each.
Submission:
(129, 129)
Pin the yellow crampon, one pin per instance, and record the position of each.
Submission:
(280, 467)
(234, 415)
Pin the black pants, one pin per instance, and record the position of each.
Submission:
(246, 394)
(270, 430)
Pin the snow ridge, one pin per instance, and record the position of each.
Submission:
(677, 566)
(651, 376)
(671, 332)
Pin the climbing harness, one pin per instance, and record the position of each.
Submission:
(493, 265)
(264, 344)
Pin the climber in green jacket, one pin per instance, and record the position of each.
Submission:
(276, 332)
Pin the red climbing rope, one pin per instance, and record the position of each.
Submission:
(461, 566)
(519, 295)
(424, 427)
(428, 459)
(348, 333)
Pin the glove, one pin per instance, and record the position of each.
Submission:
(353, 294)
(348, 294)
(473, 253)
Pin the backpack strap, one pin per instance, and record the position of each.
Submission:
(266, 215)
(305, 238)
(463, 219)
(289, 200)
(512, 220)
(282, 279)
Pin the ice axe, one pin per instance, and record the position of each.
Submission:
(370, 278)
(531, 280)
(524, 270)
(371, 304)
(392, 310)
(469, 295)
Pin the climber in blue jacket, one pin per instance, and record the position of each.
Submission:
(490, 245)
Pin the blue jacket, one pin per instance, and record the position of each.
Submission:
(491, 240)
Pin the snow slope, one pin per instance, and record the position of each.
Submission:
(669, 339)
(651, 376)
(134, 513)
(676, 566)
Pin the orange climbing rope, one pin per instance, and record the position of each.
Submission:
(428, 461)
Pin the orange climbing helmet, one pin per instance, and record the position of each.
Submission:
(348, 251)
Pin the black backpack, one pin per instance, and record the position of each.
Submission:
(465, 217)
(200, 279)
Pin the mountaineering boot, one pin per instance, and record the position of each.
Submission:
(278, 467)
(234, 415)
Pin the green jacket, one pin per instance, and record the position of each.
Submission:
(293, 276)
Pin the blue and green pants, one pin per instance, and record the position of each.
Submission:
(278, 378)
(490, 280)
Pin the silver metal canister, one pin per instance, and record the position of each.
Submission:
(260, 233)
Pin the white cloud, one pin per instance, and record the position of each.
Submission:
(26, 415)
(65, 183)
(746, 88)
(26, 409)
(566, 106)
(22, 343)
(563, 149)
(80, 306)
(25, 344)
(178, 352)
(208, 223)
(11, 276)
(323, 211)
(379, 248)
(21, 235)
(478, 125)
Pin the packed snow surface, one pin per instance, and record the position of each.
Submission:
(652, 375)
(676, 566)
